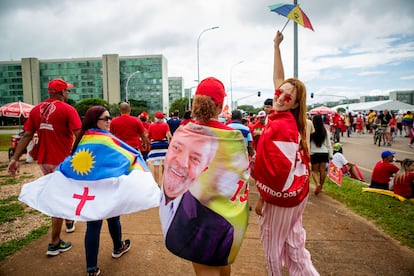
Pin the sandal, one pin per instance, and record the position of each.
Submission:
(318, 189)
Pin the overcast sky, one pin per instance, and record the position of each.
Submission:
(359, 47)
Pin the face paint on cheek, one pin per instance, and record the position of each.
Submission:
(278, 92)
(287, 98)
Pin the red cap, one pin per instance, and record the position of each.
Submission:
(143, 114)
(213, 88)
(58, 85)
(159, 115)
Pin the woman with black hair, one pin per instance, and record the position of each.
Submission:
(320, 152)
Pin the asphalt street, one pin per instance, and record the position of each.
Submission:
(360, 149)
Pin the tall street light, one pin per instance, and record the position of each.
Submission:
(190, 91)
(126, 85)
(231, 83)
(198, 51)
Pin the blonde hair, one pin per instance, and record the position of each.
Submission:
(400, 176)
(405, 164)
(203, 108)
(300, 111)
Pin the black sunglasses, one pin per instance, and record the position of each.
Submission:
(106, 118)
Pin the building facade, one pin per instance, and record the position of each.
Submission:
(364, 99)
(403, 96)
(175, 88)
(111, 78)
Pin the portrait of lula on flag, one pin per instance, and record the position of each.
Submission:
(103, 178)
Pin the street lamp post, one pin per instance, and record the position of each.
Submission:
(231, 83)
(198, 51)
(190, 90)
(237, 100)
(126, 85)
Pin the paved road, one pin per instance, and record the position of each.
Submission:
(361, 150)
(8, 131)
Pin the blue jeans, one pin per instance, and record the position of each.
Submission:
(92, 237)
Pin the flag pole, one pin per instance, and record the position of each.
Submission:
(285, 25)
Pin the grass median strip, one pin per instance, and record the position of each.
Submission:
(391, 215)
(12, 246)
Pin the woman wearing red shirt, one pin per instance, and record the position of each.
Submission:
(404, 180)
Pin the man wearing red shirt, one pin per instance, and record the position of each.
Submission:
(337, 124)
(144, 120)
(56, 124)
(257, 128)
(129, 128)
(383, 171)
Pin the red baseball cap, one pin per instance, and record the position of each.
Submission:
(143, 114)
(159, 115)
(58, 85)
(213, 88)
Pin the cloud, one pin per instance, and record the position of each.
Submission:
(355, 43)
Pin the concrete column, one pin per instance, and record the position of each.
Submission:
(31, 81)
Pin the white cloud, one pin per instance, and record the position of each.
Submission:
(357, 47)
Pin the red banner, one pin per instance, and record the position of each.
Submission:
(335, 174)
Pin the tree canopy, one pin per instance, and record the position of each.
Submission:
(180, 105)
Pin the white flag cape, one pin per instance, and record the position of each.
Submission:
(102, 179)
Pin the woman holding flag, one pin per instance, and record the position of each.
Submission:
(98, 117)
(103, 178)
(281, 171)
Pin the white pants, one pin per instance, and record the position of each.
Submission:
(30, 146)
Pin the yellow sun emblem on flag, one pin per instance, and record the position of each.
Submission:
(82, 162)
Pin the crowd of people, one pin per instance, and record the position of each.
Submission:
(201, 167)
(393, 124)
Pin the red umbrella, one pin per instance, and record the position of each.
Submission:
(322, 110)
(16, 109)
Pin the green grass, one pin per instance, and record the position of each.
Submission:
(391, 215)
(5, 142)
(12, 246)
(11, 211)
(8, 180)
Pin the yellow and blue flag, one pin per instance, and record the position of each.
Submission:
(103, 178)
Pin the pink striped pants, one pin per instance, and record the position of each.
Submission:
(283, 239)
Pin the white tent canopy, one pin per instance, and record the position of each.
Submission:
(395, 106)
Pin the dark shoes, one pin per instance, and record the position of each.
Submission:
(70, 226)
(125, 248)
(94, 272)
(56, 249)
(126, 245)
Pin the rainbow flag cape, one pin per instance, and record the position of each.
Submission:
(103, 178)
